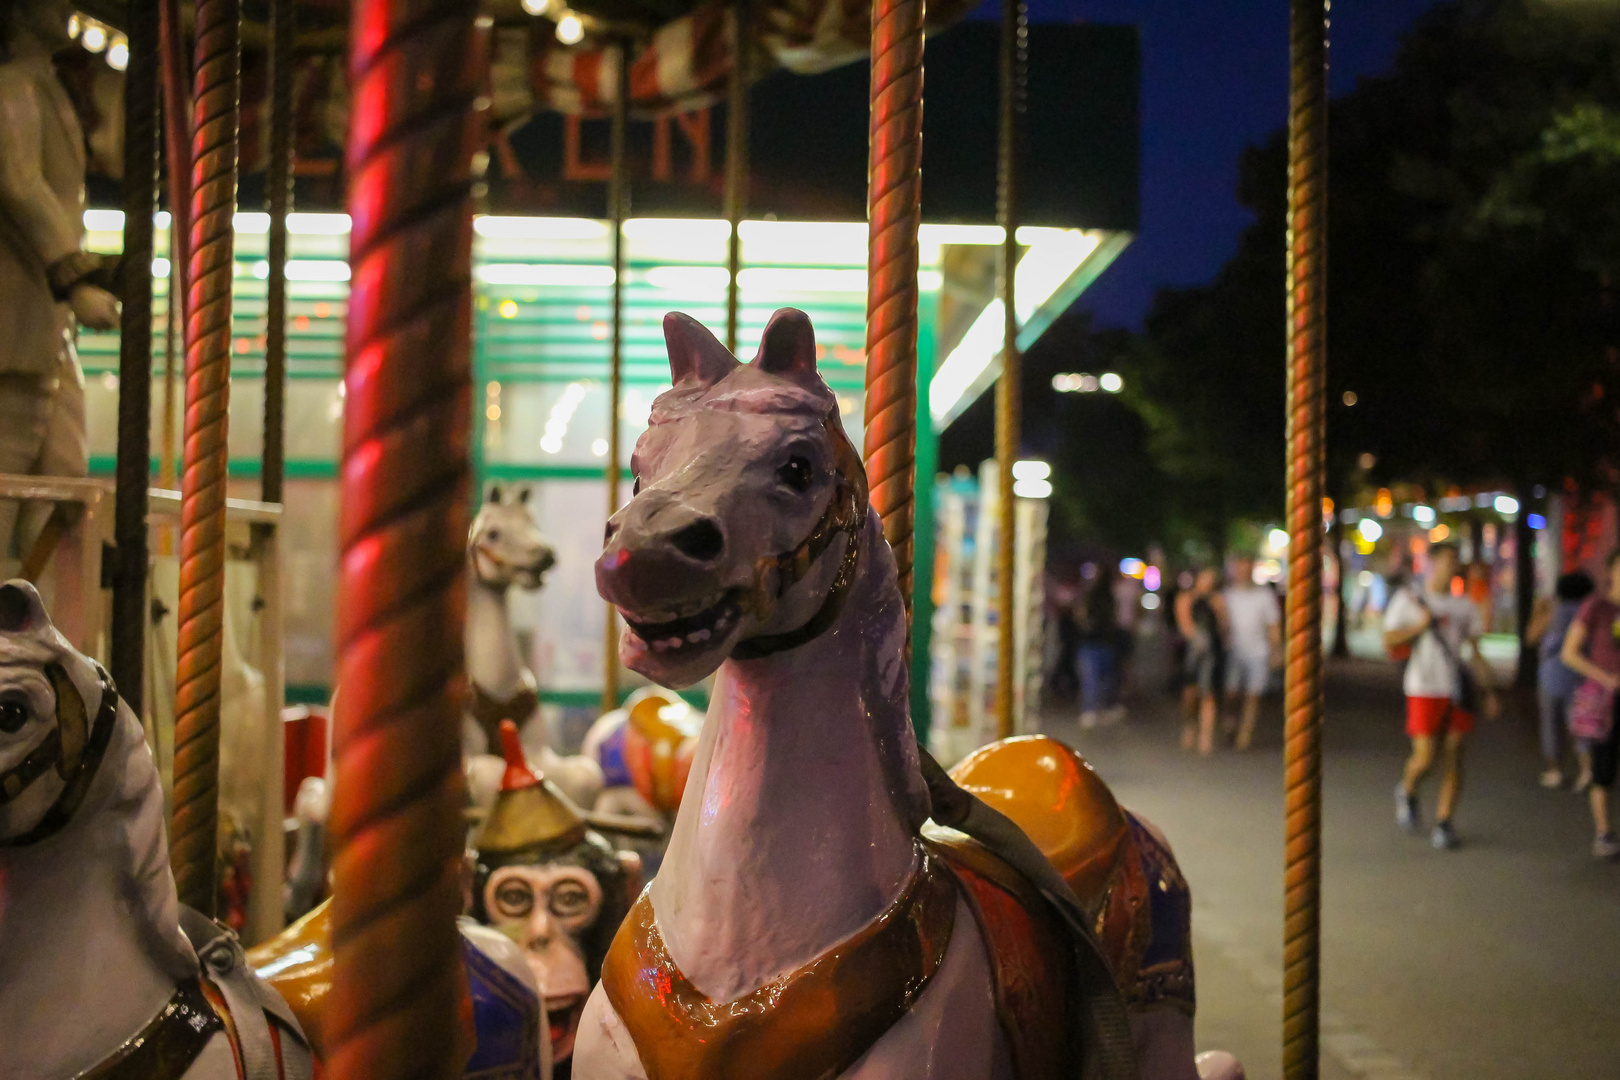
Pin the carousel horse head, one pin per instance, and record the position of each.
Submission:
(742, 536)
(505, 544)
(70, 750)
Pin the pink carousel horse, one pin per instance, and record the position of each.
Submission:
(102, 973)
(806, 923)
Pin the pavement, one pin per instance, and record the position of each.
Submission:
(1497, 961)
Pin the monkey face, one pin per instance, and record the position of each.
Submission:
(549, 909)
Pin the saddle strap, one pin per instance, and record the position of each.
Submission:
(251, 1002)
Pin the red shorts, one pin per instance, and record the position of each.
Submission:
(1428, 717)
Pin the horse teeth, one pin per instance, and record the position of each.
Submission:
(698, 635)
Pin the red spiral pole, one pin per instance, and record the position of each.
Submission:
(415, 72)
(1307, 369)
(894, 212)
(216, 92)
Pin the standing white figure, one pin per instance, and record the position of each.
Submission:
(44, 270)
(505, 548)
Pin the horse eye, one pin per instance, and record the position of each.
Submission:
(493, 535)
(635, 489)
(13, 716)
(796, 474)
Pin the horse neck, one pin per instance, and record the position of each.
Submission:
(89, 935)
(493, 662)
(800, 830)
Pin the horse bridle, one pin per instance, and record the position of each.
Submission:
(74, 748)
(845, 514)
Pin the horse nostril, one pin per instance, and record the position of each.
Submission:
(700, 540)
(609, 532)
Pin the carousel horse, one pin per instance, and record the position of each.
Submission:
(102, 972)
(504, 549)
(805, 922)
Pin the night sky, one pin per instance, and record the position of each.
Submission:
(1214, 80)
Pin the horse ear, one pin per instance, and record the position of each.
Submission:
(492, 493)
(788, 346)
(21, 609)
(523, 495)
(694, 353)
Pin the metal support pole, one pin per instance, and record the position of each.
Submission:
(417, 69)
(177, 146)
(736, 197)
(1014, 28)
(618, 191)
(1307, 368)
(135, 357)
(194, 827)
(894, 212)
(278, 189)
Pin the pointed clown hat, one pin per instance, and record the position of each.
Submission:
(531, 816)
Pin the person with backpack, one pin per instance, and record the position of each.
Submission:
(1428, 626)
(1592, 650)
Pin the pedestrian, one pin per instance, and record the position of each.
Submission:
(1201, 618)
(1592, 649)
(1098, 617)
(1254, 636)
(1442, 690)
(1550, 620)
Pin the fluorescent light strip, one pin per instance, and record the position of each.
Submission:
(555, 274)
(540, 228)
(1053, 255)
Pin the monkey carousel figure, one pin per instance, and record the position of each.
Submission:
(547, 880)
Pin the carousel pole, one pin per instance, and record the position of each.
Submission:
(1014, 27)
(894, 212)
(416, 72)
(177, 147)
(194, 827)
(135, 358)
(1307, 364)
(618, 189)
(177, 144)
(278, 189)
(736, 197)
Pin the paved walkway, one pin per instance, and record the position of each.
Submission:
(1499, 961)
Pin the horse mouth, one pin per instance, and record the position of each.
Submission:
(699, 630)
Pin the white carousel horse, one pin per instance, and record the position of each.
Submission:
(95, 970)
(801, 924)
(505, 548)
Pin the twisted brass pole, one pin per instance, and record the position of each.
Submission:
(736, 198)
(894, 212)
(203, 452)
(1014, 27)
(416, 69)
(177, 145)
(278, 192)
(1307, 364)
(135, 358)
(618, 189)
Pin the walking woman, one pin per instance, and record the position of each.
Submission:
(1555, 682)
(1592, 649)
(1201, 618)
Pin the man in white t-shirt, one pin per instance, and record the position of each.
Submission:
(1253, 639)
(1435, 625)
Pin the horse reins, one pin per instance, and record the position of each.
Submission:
(74, 748)
(846, 514)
